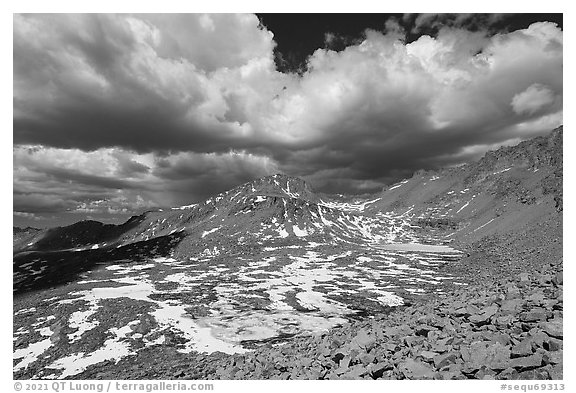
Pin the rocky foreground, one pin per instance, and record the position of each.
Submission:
(510, 329)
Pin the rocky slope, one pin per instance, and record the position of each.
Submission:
(507, 329)
(312, 286)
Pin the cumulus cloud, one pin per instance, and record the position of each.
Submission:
(438, 21)
(532, 99)
(118, 182)
(167, 109)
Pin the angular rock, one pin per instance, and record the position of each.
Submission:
(502, 338)
(479, 319)
(485, 373)
(555, 371)
(378, 369)
(523, 348)
(412, 369)
(509, 373)
(527, 362)
(493, 355)
(367, 358)
(524, 278)
(538, 337)
(363, 340)
(427, 355)
(423, 330)
(553, 328)
(512, 292)
(461, 312)
(445, 359)
(553, 344)
(504, 321)
(354, 372)
(555, 357)
(536, 374)
(413, 340)
(511, 306)
(452, 372)
(535, 314)
(558, 278)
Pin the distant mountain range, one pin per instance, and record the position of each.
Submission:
(505, 192)
(271, 260)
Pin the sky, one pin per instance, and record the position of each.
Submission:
(116, 114)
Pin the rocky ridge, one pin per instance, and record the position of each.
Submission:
(505, 212)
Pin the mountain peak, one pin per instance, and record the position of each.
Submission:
(281, 185)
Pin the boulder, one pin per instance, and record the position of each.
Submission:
(511, 306)
(485, 373)
(558, 278)
(427, 355)
(363, 340)
(554, 371)
(378, 369)
(512, 292)
(423, 330)
(536, 374)
(553, 344)
(553, 328)
(508, 373)
(523, 348)
(445, 359)
(527, 362)
(454, 371)
(492, 355)
(555, 357)
(535, 314)
(412, 369)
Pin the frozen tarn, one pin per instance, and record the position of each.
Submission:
(198, 338)
(419, 247)
(206, 233)
(252, 325)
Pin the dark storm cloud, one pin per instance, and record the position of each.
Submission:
(195, 177)
(93, 81)
(139, 110)
(39, 203)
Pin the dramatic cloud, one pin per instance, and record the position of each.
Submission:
(532, 99)
(113, 112)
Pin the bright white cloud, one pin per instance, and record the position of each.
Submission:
(150, 106)
(532, 99)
